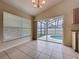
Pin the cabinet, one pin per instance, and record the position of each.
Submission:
(76, 16)
(75, 28)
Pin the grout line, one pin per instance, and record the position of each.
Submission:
(7, 54)
(23, 52)
(29, 52)
(63, 52)
(51, 55)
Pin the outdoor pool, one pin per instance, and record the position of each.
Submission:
(57, 37)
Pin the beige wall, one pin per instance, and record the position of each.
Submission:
(10, 9)
(64, 8)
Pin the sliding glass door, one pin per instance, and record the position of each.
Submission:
(51, 29)
(55, 29)
(41, 30)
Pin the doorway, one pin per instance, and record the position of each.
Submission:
(51, 29)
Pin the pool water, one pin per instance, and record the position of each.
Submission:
(57, 37)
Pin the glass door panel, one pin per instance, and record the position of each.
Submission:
(51, 30)
(41, 30)
(55, 29)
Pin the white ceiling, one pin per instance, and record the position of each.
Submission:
(27, 7)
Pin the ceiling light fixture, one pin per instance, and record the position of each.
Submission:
(38, 3)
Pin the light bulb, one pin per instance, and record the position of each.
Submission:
(35, 5)
(43, 2)
(40, 6)
(33, 1)
(38, 3)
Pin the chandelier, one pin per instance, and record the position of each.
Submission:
(38, 3)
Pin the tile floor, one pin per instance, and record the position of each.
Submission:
(39, 50)
(10, 44)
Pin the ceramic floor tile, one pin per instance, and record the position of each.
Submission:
(10, 44)
(46, 51)
(69, 57)
(57, 55)
(33, 46)
(3, 56)
(25, 49)
(34, 54)
(77, 55)
(68, 51)
(22, 46)
(16, 54)
(40, 50)
(43, 56)
(50, 47)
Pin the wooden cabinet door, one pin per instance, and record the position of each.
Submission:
(76, 16)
